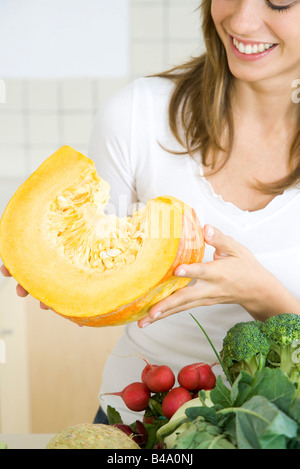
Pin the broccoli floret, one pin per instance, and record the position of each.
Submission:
(283, 332)
(245, 347)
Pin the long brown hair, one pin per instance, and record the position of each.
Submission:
(207, 80)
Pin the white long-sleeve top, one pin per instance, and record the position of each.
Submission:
(127, 144)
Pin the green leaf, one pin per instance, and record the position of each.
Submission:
(152, 433)
(294, 411)
(113, 415)
(204, 440)
(229, 430)
(271, 383)
(275, 386)
(241, 389)
(155, 407)
(294, 443)
(202, 396)
(202, 435)
(271, 441)
(209, 413)
(261, 425)
(221, 394)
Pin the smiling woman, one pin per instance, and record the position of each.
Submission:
(250, 53)
(221, 133)
(235, 158)
(250, 32)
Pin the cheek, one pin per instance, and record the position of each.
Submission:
(220, 11)
(289, 36)
(216, 10)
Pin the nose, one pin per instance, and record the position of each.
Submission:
(246, 17)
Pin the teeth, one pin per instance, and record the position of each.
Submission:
(248, 49)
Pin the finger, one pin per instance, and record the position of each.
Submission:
(4, 271)
(178, 309)
(177, 301)
(43, 306)
(21, 291)
(193, 271)
(224, 245)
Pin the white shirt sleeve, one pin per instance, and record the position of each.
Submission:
(110, 149)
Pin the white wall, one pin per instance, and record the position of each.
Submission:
(64, 38)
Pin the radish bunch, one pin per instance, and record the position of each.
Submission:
(197, 376)
(160, 380)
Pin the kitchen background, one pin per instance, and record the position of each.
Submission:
(50, 369)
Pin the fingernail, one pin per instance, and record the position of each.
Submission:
(181, 273)
(157, 314)
(146, 324)
(210, 232)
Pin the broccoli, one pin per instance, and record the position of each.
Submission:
(245, 347)
(253, 345)
(283, 333)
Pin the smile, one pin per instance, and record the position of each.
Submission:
(254, 48)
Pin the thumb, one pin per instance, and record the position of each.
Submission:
(224, 245)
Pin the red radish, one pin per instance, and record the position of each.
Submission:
(136, 396)
(160, 379)
(173, 400)
(197, 376)
(146, 370)
(188, 377)
(207, 379)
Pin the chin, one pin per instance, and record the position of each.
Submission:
(247, 75)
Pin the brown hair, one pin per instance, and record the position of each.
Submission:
(207, 80)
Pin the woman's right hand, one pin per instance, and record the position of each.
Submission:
(20, 290)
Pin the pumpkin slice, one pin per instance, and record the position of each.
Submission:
(91, 267)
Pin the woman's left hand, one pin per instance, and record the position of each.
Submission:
(234, 276)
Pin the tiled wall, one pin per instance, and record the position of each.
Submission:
(38, 117)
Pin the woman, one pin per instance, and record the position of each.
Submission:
(221, 133)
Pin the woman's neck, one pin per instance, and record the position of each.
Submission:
(268, 103)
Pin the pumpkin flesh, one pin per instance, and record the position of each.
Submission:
(89, 266)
